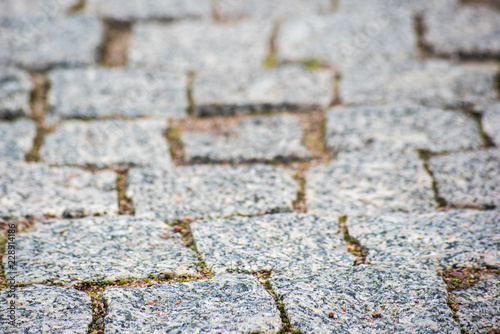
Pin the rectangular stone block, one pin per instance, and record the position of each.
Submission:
(17, 139)
(15, 90)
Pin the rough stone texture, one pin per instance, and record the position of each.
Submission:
(39, 45)
(227, 303)
(47, 309)
(447, 239)
(36, 11)
(100, 249)
(196, 46)
(15, 89)
(479, 306)
(278, 243)
(491, 121)
(370, 183)
(468, 179)
(16, 139)
(366, 299)
(470, 31)
(148, 9)
(103, 93)
(254, 139)
(108, 143)
(400, 127)
(283, 88)
(388, 7)
(210, 191)
(38, 190)
(434, 83)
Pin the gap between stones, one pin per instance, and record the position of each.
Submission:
(353, 245)
(271, 60)
(116, 40)
(77, 7)
(492, 3)
(425, 156)
(478, 118)
(425, 50)
(125, 203)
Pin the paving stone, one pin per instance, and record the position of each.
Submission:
(370, 183)
(46, 309)
(149, 9)
(194, 192)
(389, 7)
(72, 41)
(440, 239)
(479, 306)
(36, 11)
(15, 89)
(108, 143)
(278, 243)
(100, 249)
(105, 93)
(284, 88)
(468, 179)
(227, 303)
(491, 121)
(366, 299)
(197, 46)
(17, 139)
(400, 127)
(38, 190)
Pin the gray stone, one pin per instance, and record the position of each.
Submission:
(46, 309)
(35, 11)
(491, 121)
(400, 127)
(38, 190)
(98, 250)
(370, 183)
(104, 93)
(283, 88)
(108, 143)
(479, 306)
(366, 299)
(265, 138)
(226, 303)
(38, 45)
(468, 179)
(15, 89)
(210, 191)
(441, 239)
(17, 139)
(278, 243)
(391, 7)
(196, 46)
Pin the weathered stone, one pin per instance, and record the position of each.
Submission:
(491, 121)
(38, 190)
(283, 88)
(98, 250)
(366, 299)
(400, 127)
(210, 191)
(36, 11)
(15, 89)
(278, 243)
(104, 93)
(46, 309)
(390, 7)
(468, 179)
(17, 139)
(254, 139)
(108, 143)
(227, 303)
(370, 183)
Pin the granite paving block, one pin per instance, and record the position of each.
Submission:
(446, 239)
(105, 93)
(366, 299)
(46, 309)
(261, 138)
(36, 11)
(194, 192)
(278, 243)
(370, 183)
(100, 249)
(38, 190)
(17, 139)
(491, 121)
(53, 41)
(479, 306)
(468, 179)
(15, 89)
(197, 46)
(228, 303)
(108, 143)
(283, 88)
(400, 127)
(434, 83)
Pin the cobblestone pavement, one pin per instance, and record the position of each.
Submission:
(250, 166)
